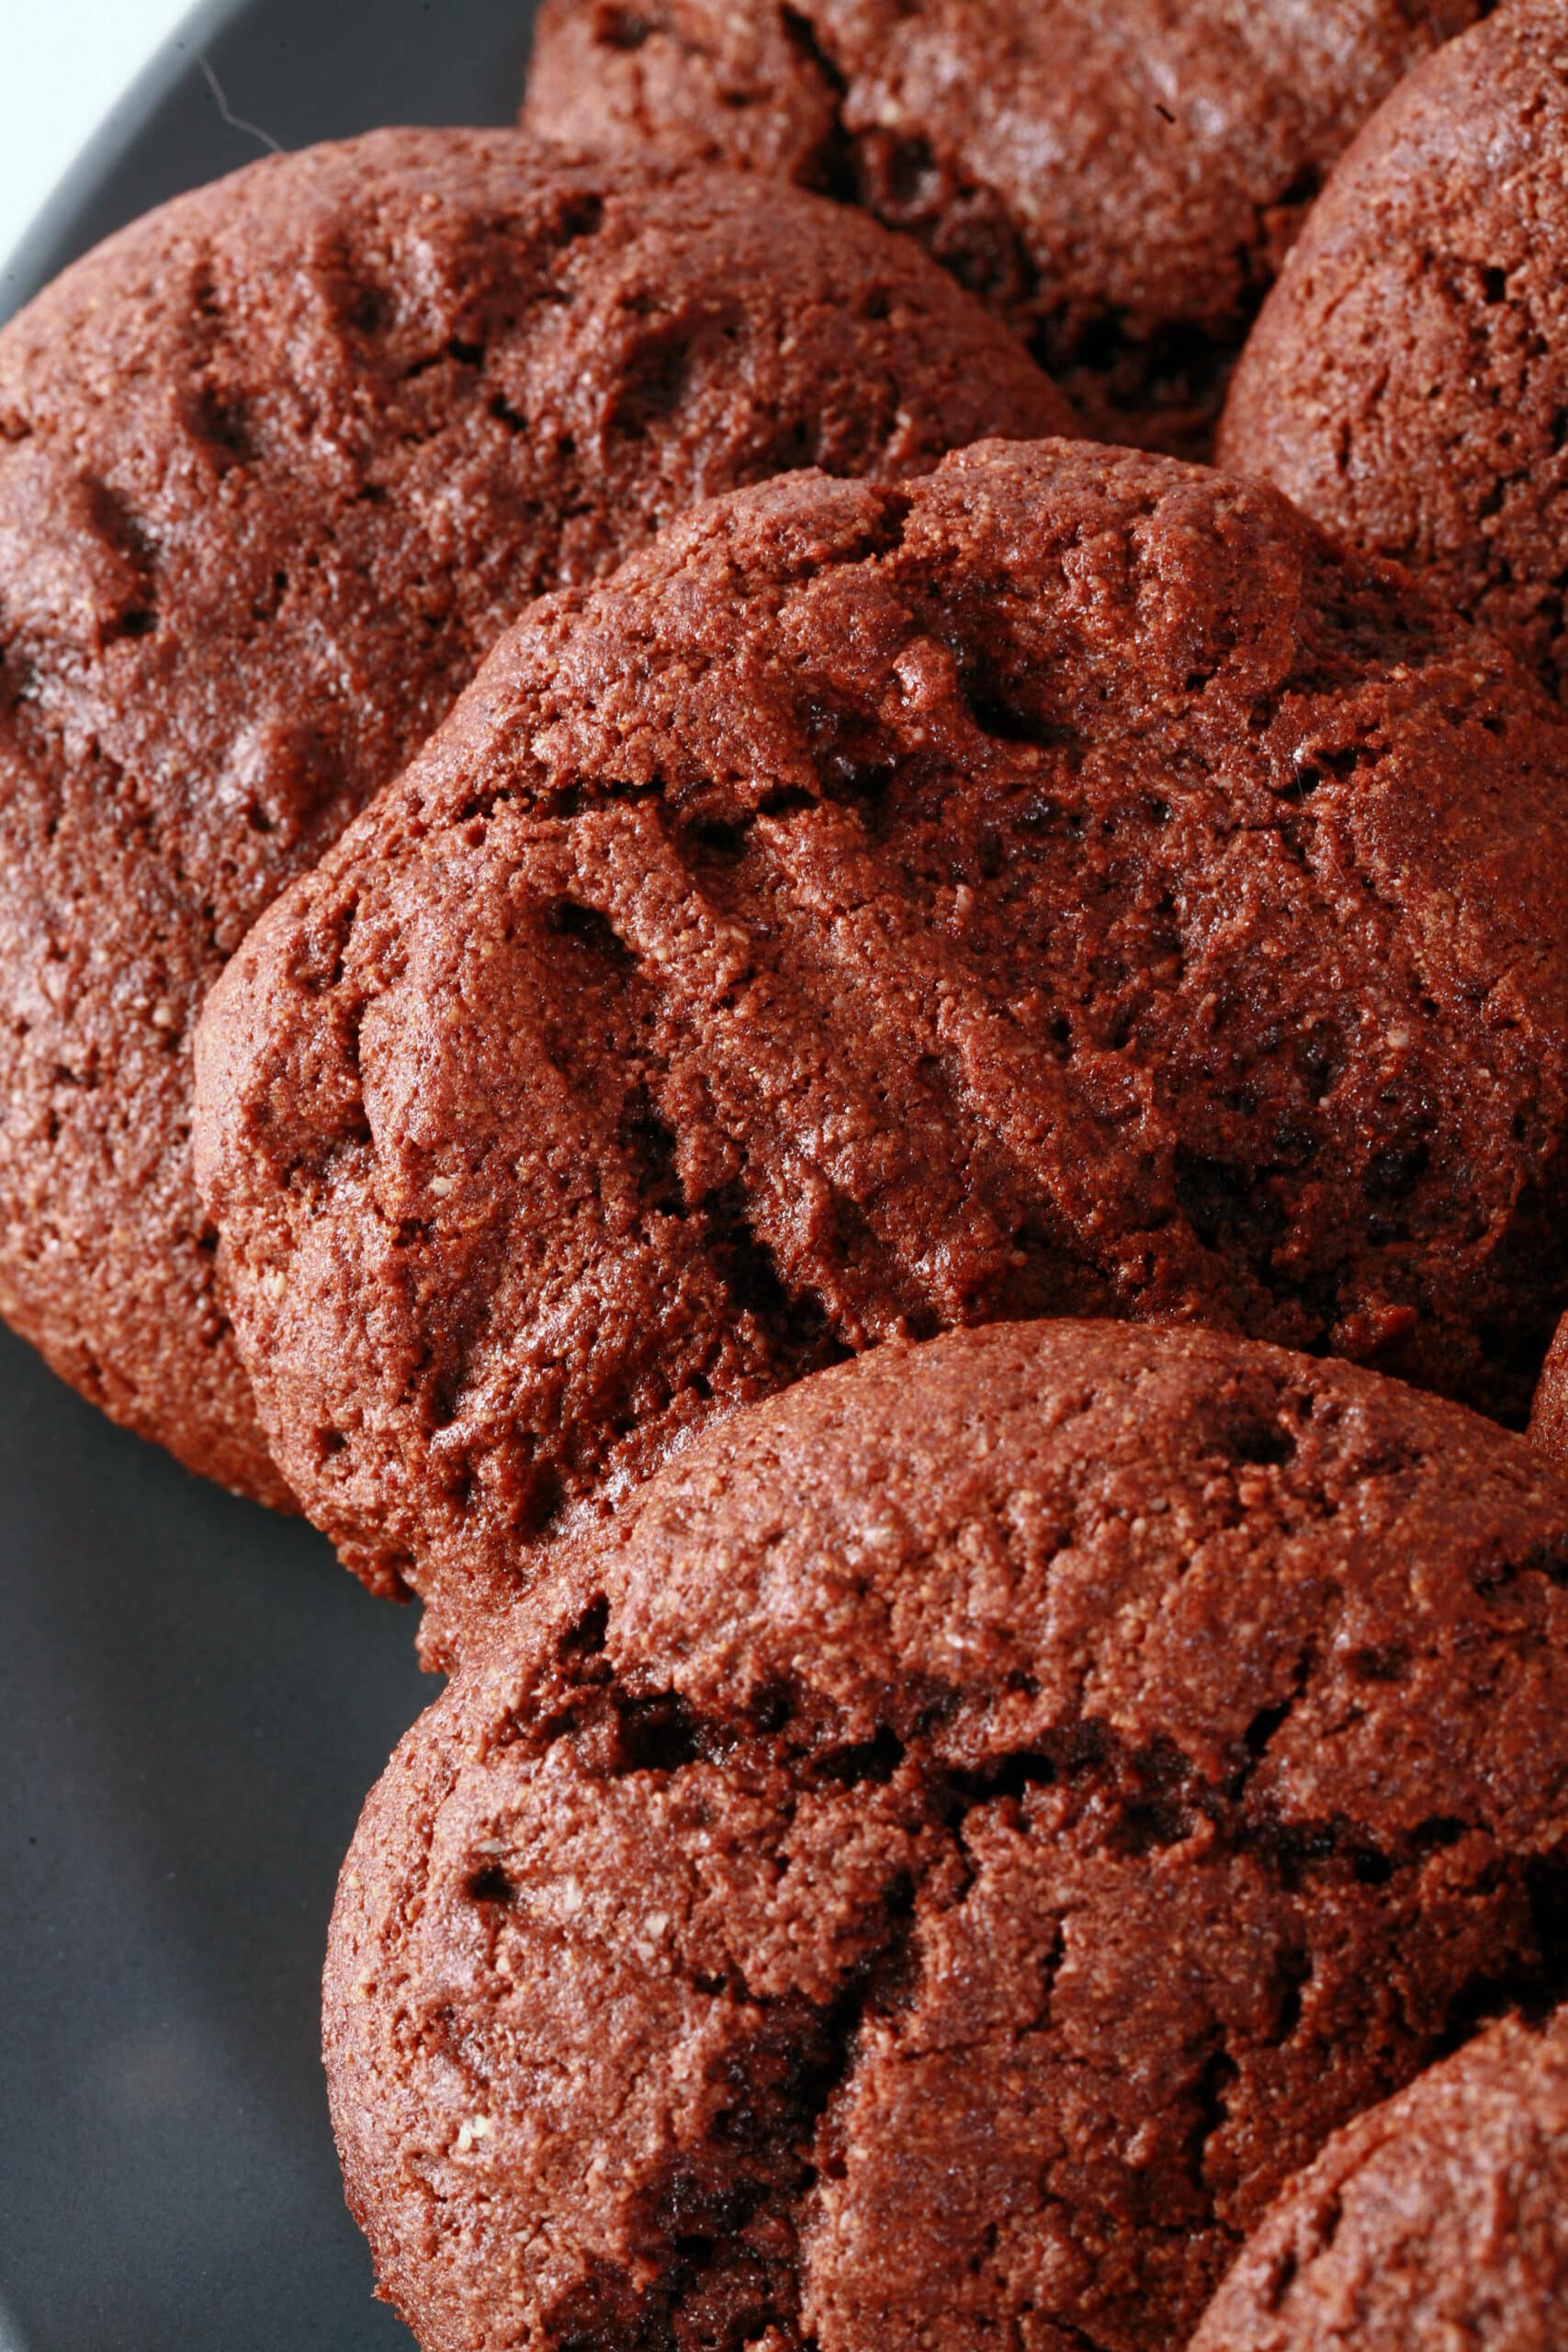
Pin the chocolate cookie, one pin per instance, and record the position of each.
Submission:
(1407, 382)
(1440, 2219)
(1549, 1407)
(945, 1856)
(1119, 179)
(1062, 885)
(276, 464)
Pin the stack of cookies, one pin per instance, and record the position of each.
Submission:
(872, 1074)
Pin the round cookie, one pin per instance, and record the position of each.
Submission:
(950, 1849)
(1065, 884)
(1407, 381)
(276, 464)
(1438, 2219)
(1119, 179)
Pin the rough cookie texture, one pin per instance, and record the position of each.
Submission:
(1437, 2220)
(276, 464)
(1549, 1407)
(1062, 885)
(1407, 382)
(1119, 179)
(952, 1850)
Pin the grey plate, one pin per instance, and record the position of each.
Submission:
(194, 1698)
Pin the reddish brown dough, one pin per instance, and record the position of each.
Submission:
(1549, 1407)
(1437, 2220)
(276, 464)
(1119, 179)
(1407, 382)
(960, 1840)
(1062, 885)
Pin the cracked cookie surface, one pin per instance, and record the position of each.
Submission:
(1119, 179)
(939, 1861)
(1408, 381)
(1061, 885)
(276, 466)
(1435, 2219)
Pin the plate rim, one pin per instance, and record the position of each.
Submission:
(47, 244)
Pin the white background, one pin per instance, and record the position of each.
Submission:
(62, 65)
